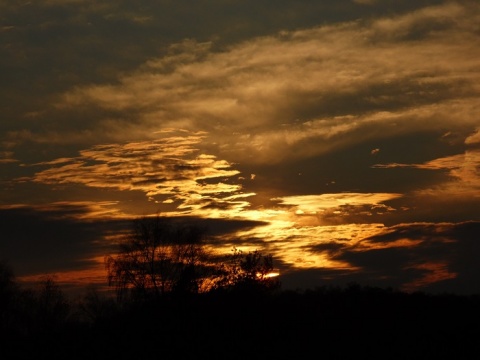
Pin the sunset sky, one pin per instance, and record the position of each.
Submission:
(340, 136)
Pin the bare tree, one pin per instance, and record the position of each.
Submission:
(248, 272)
(53, 307)
(158, 256)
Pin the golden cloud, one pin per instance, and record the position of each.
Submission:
(332, 82)
(170, 169)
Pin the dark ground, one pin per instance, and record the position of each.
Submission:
(325, 323)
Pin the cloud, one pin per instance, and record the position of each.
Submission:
(335, 83)
(464, 178)
(474, 138)
(151, 112)
(7, 157)
(297, 229)
(431, 257)
(418, 256)
(72, 211)
(70, 239)
(169, 170)
(69, 235)
(278, 97)
(365, 2)
(312, 204)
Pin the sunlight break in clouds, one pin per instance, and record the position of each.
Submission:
(295, 241)
(333, 83)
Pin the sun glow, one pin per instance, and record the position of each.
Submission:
(94, 275)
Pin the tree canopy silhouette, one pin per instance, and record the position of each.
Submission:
(161, 256)
(248, 272)
(42, 323)
(156, 257)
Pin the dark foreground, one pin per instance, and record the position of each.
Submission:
(350, 323)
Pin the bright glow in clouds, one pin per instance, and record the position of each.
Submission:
(170, 168)
(297, 245)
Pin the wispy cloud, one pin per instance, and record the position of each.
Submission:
(428, 256)
(334, 83)
(474, 138)
(169, 170)
(73, 210)
(7, 157)
(463, 171)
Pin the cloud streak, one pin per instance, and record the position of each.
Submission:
(335, 83)
(168, 170)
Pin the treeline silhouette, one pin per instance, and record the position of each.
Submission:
(161, 256)
(326, 322)
(242, 314)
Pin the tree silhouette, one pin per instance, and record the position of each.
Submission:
(253, 271)
(96, 307)
(8, 293)
(157, 257)
(161, 256)
(53, 307)
(36, 323)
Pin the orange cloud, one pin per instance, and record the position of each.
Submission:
(463, 169)
(166, 170)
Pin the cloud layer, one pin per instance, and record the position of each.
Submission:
(341, 136)
(281, 96)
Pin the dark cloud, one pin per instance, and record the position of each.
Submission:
(428, 257)
(49, 46)
(46, 241)
(69, 236)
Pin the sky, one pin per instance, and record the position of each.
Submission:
(341, 136)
